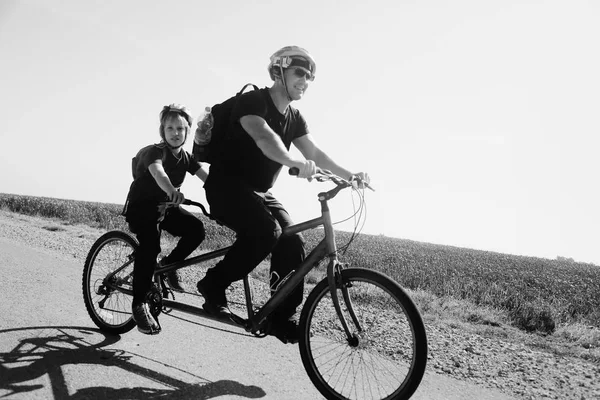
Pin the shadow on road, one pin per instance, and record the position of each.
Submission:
(30, 353)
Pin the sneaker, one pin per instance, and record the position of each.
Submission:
(285, 330)
(171, 278)
(144, 319)
(173, 281)
(215, 301)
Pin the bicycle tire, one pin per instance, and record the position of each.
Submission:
(387, 360)
(109, 309)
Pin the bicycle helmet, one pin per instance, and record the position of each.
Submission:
(173, 110)
(291, 56)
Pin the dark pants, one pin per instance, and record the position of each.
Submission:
(258, 219)
(144, 223)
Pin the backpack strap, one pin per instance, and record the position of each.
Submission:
(237, 98)
(244, 88)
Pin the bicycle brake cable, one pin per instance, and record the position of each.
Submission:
(360, 221)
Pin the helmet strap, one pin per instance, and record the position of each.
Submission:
(287, 93)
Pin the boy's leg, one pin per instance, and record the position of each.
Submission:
(181, 223)
(148, 235)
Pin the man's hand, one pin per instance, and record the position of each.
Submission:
(308, 169)
(361, 180)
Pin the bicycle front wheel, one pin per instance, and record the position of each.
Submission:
(386, 355)
(107, 271)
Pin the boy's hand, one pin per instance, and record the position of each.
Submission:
(176, 197)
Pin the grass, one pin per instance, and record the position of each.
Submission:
(550, 297)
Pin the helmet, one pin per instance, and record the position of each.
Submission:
(291, 56)
(173, 110)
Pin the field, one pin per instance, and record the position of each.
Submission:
(548, 297)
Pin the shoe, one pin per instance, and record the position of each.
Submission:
(173, 281)
(215, 301)
(144, 319)
(285, 330)
(171, 278)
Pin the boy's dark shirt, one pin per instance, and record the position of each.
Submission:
(144, 189)
(243, 159)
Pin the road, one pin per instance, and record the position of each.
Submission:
(50, 349)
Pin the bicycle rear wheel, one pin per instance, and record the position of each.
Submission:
(109, 268)
(387, 355)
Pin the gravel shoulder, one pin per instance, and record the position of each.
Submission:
(519, 365)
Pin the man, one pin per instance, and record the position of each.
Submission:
(237, 189)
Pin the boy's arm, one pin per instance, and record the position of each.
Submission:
(160, 176)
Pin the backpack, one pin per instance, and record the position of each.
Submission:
(221, 112)
(137, 168)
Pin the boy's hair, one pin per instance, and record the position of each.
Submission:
(173, 111)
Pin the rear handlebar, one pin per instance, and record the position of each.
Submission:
(188, 202)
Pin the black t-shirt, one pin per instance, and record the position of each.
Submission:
(243, 159)
(144, 189)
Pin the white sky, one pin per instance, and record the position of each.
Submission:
(477, 120)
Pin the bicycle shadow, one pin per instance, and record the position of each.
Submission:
(32, 356)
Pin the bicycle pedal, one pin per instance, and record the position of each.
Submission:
(238, 320)
(167, 294)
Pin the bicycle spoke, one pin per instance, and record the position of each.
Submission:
(379, 362)
(108, 268)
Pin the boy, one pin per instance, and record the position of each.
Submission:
(159, 171)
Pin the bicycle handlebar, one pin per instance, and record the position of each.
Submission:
(322, 176)
(188, 202)
(329, 176)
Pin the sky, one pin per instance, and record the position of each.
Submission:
(477, 121)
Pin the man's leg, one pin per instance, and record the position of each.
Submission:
(286, 256)
(257, 233)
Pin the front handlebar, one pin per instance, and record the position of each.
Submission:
(323, 175)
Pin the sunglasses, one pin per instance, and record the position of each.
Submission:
(301, 73)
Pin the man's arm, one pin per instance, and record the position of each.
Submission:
(268, 141)
(202, 174)
(311, 151)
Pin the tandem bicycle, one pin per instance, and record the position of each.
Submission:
(360, 334)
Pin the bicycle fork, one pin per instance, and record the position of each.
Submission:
(336, 281)
(334, 275)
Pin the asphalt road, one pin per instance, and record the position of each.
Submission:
(50, 349)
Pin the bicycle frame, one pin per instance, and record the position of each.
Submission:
(359, 333)
(325, 248)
